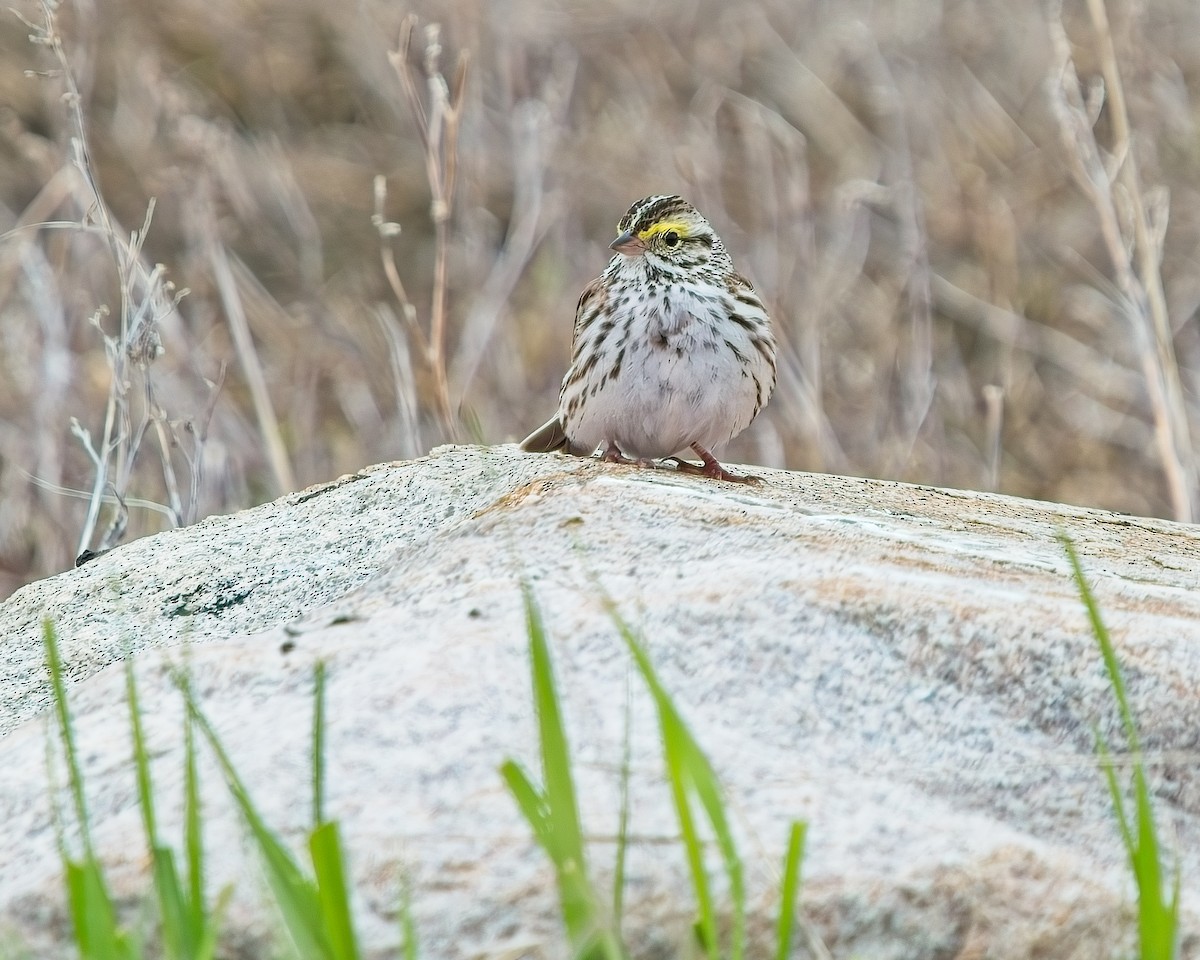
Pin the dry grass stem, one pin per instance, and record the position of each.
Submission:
(145, 299)
(1141, 300)
(388, 230)
(239, 327)
(407, 407)
(952, 308)
(993, 398)
(437, 118)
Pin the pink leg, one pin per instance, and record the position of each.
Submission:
(612, 454)
(712, 468)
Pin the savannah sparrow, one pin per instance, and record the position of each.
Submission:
(672, 348)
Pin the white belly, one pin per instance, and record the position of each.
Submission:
(679, 383)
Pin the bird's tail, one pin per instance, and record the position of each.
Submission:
(546, 438)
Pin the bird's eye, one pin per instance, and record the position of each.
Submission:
(670, 238)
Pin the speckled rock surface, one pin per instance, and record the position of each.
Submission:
(908, 669)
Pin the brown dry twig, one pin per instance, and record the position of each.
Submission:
(1107, 179)
(437, 117)
(147, 297)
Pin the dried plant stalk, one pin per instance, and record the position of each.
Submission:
(146, 298)
(1140, 290)
(437, 118)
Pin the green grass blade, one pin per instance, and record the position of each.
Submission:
(708, 789)
(618, 894)
(324, 843)
(206, 949)
(318, 753)
(1155, 917)
(556, 755)
(690, 772)
(1107, 651)
(678, 775)
(204, 926)
(141, 759)
(563, 832)
(789, 889)
(408, 926)
(177, 933)
(1114, 791)
(297, 897)
(63, 712)
(96, 932)
(530, 802)
(1158, 919)
(1173, 906)
(553, 812)
(93, 917)
(329, 865)
(180, 929)
(84, 924)
(193, 837)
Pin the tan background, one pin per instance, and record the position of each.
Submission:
(890, 175)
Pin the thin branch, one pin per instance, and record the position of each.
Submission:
(1183, 479)
(389, 230)
(239, 326)
(437, 124)
(199, 430)
(1141, 299)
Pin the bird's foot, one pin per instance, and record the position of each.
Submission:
(612, 454)
(710, 468)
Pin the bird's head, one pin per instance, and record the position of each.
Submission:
(668, 232)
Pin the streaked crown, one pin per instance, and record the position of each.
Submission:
(673, 232)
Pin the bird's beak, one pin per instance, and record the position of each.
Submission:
(629, 245)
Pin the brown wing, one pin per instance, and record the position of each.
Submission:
(758, 328)
(591, 303)
(551, 436)
(739, 284)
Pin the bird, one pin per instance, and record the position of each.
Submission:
(672, 348)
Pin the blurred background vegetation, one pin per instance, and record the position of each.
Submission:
(945, 219)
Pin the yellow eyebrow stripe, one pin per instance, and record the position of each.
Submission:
(663, 226)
